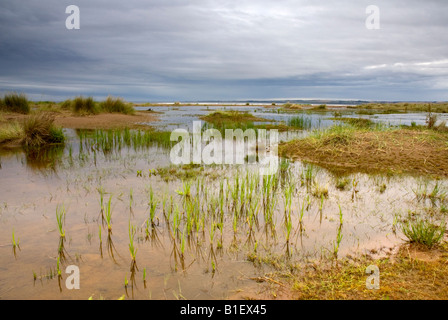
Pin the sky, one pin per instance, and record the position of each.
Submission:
(199, 50)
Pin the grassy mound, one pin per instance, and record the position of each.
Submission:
(232, 116)
(402, 107)
(348, 148)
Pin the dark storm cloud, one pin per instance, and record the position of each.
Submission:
(187, 50)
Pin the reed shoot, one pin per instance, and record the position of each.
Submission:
(60, 218)
(108, 214)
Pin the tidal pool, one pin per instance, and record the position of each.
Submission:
(205, 237)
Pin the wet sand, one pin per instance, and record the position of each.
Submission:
(67, 119)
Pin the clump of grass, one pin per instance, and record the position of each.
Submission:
(84, 105)
(132, 249)
(439, 107)
(58, 267)
(337, 114)
(423, 232)
(15, 242)
(227, 118)
(108, 214)
(11, 132)
(60, 218)
(113, 104)
(437, 193)
(299, 122)
(357, 122)
(335, 135)
(308, 175)
(365, 112)
(39, 129)
(185, 172)
(431, 118)
(153, 203)
(291, 106)
(99, 235)
(342, 183)
(320, 191)
(441, 127)
(114, 140)
(337, 243)
(47, 106)
(15, 102)
(66, 104)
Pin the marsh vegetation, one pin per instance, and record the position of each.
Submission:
(140, 227)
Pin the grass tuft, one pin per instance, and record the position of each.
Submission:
(112, 104)
(423, 232)
(300, 122)
(84, 105)
(11, 132)
(15, 102)
(60, 219)
(39, 130)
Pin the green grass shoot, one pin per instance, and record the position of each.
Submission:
(60, 218)
(108, 214)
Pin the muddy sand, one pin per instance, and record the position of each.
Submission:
(99, 121)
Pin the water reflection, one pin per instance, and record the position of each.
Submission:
(45, 159)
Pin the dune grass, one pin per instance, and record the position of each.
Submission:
(48, 106)
(35, 130)
(11, 132)
(39, 129)
(117, 105)
(85, 105)
(15, 102)
(291, 106)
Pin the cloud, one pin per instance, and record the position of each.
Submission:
(198, 49)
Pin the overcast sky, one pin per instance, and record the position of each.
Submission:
(183, 50)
